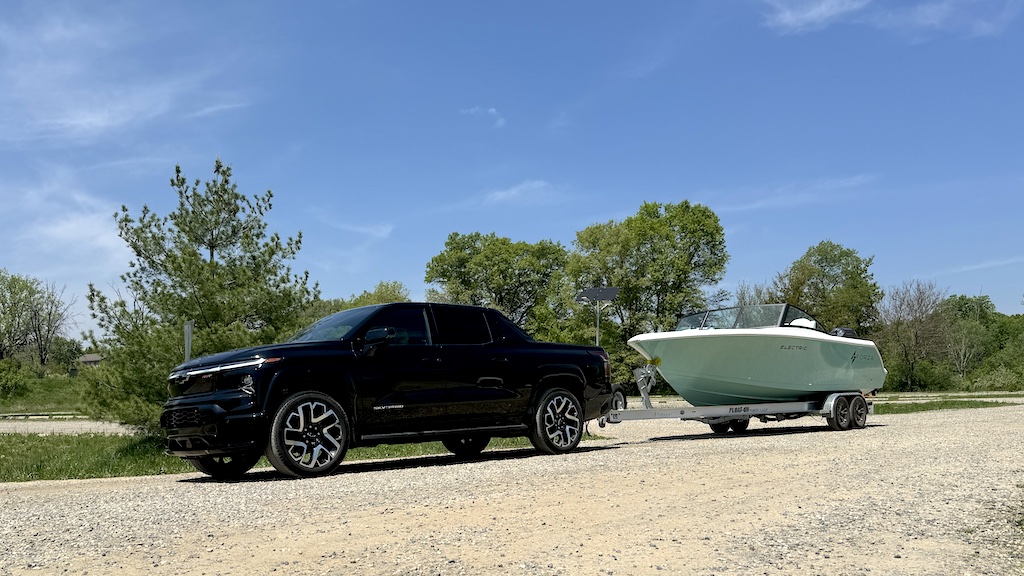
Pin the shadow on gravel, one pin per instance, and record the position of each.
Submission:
(757, 432)
(359, 467)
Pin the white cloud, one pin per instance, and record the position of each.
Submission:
(804, 15)
(491, 113)
(55, 231)
(977, 18)
(529, 191)
(216, 109)
(984, 265)
(799, 194)
(373, 231)
(560, 122)
(980, 18)
(71, 77)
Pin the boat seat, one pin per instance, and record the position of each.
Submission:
(803, 323)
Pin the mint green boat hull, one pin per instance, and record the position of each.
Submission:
(759, 365)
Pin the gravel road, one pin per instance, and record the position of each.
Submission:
(928, 493)
(64, 426)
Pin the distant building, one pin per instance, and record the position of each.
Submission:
(90, 359)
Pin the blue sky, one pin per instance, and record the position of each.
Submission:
(893, 128)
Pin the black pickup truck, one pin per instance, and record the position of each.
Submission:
(386, 374)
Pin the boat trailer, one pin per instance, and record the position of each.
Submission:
(842, 410)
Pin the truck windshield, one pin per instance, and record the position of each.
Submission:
(334, 327)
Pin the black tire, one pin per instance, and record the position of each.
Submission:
(226, 467)
(839, 419)
(309, 435)
(740, 425)
(858, 412)
(557, 425)
(720, 427)
(466, 446)
(618, 400)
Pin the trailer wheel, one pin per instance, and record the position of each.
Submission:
(740, 425)
(839, 419)
(858, 412)
(720, 427)
(618, 400)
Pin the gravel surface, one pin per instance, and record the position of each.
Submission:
(927, 493)
(60, 426)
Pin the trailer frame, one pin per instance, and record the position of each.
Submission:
(842, 410)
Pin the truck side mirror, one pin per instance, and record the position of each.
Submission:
(376, 337)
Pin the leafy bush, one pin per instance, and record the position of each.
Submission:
(999, 380)
(927, 376)
(13, 377)
(130, 386)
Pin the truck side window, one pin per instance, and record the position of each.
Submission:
(410, 326)
(461, 326)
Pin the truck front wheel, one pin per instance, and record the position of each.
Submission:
(309, 435)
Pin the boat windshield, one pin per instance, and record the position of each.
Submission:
(754, 316)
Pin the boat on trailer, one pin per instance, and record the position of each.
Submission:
(770, 361)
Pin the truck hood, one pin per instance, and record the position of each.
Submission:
(235, 356)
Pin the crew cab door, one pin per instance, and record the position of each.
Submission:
(482, 386)
(401, 381)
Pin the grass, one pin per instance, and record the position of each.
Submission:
(32, 457)
(25, 457)
(50, 394)
(881, 408)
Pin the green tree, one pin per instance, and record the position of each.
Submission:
(833, 284)
(748, 294)
(65, 352)
(969, 335)
(17, 294)
(49, 318)
(488, 270)
(33, 314)
(664, 259)
(1003, 367)
(383, 293)
(913, 336)
(211, 261)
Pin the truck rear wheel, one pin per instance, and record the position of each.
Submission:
(557, 425)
